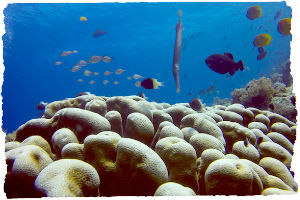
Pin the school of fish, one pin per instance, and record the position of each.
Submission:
(221, 62)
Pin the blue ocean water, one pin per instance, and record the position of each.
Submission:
(140, 38)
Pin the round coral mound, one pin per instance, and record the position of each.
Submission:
(127, 146)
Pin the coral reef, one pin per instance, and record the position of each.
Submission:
(219, 101)
(68, 178)
(265, 94)
(126, 146)
(258, 94)
(282, 73)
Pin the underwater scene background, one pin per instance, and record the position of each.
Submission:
(139, 37)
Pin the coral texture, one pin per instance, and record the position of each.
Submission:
(265, 94)
(127, 146)
(258, 94)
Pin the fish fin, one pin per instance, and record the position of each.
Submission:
(228, 75)
(232, 72)
(229, 55)
(240, 65)
(160, 84)
(157, 84)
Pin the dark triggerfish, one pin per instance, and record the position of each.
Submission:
(224, 63)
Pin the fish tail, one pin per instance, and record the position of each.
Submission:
(241, 65)
(160, 84)
(156, 84)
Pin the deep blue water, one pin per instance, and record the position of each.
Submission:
(140, 38)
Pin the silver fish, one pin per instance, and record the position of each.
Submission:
(177, 51)
(66, 53)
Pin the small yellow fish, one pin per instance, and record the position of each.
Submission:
(129, 78)
(262, 40)
(80, 80)
(83, 19)
(254, 12)
(116, 82)
(284, 26)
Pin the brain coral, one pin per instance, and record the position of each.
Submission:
(12, 145)
(180, 159)
(72, 150)
(78, 102)
(203, 141)
(81, 122)
(126, 106)
(139, 127)
(177, 112)
(247, 115)
(136, 168)
(160, 116)
(243, 149)
(68, 178)
(276, 168)
(38, 141)
(157, 134)
(173, 189)
(231, 177)
(97, 106)
(115, 120)
(23, 166)
(62, 137)
(141, 148)
(207, 157)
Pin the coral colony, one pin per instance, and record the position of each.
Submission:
(83, 146)
(91, 146)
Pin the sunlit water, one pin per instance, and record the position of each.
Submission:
(140, 38)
